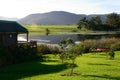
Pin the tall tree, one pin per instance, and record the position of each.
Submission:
(82, 23)
(95, 22)
(113, 20)
(98, 20)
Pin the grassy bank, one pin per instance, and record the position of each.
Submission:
(62, 29)
(88, 66)
(54, 29)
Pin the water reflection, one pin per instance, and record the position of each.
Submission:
(21, 38)
(82, 37)
(55, 39)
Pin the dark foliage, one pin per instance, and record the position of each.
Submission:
(113, 20)
(95, 23)
(22, 53)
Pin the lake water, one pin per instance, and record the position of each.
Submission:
(55, 39)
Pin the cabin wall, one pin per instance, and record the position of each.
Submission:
(0, 39)
(10, 39)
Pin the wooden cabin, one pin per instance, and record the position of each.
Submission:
(9, 31)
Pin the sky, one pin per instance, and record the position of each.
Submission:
(22, 8)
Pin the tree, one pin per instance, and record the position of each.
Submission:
(72, 53)
(47, 31)
(113, 20)
(111, 54)
(69, 41)
(82, 23)
(65, 44)
(95, 22)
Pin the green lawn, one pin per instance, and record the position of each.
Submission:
(88, 66)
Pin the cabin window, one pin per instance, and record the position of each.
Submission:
(10, 39)
(10, 35)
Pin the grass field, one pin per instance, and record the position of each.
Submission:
(54, 29)
(62, 29)
(88, 66)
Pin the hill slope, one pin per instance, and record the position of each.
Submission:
(55, 18)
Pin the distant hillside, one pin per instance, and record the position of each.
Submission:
(7, 18)
(55, 18)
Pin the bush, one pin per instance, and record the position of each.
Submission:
(43, 49)
(115, 47)
(26, 52)
(74, 30)
(48, 49)
(106, 43)
(102, 43)
(22, 53)
(111, 54)
(55, 49)
(88, 45)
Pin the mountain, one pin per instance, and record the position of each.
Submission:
(56, 18)
(8, 18)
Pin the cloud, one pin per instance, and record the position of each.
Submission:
(21, 8)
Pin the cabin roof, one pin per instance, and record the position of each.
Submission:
(11, 26)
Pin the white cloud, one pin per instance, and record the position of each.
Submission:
(21, 8)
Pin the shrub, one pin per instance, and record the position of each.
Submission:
(55, 49)
(106, 43)
(111, 54)
(43, 49)
(102, 43)
(49, 49)
(115, 47)
(88, 45)
(74, 30)
(26, 52)
(22, 53)
(69, 41)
